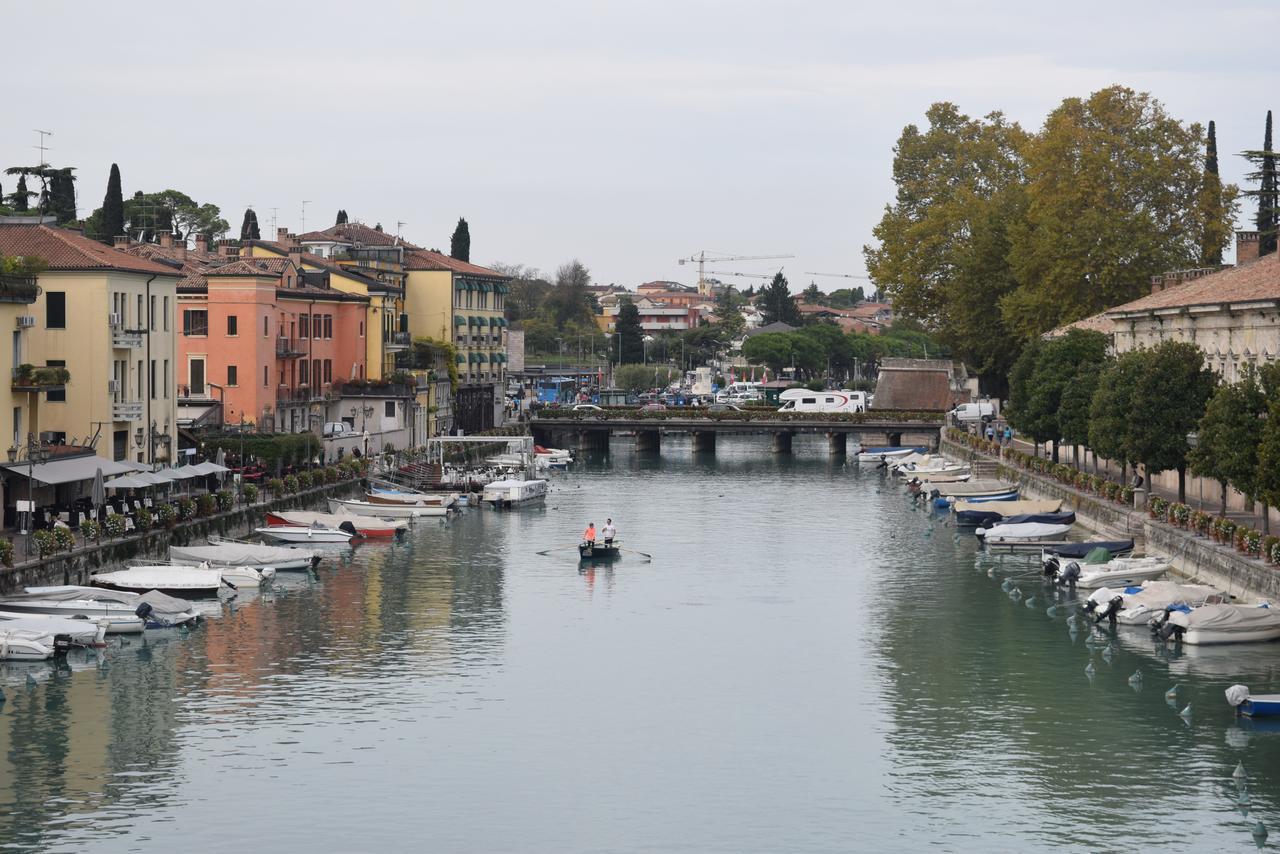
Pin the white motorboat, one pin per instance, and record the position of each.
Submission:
(307, 533)
(81, 631)
(119, 608)
(885, 453)
(386, 495)
(173, 580)
(22, 645)
(366, 526)
(385, 511)
(1136, 606)
(554, 458)
(1117, 572)
(1219, 624)
(513, 492)
(234, 576)
(925, 466)
(1021, 532)
(971, 491)
(226, 552)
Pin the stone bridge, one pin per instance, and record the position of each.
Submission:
(591, 431)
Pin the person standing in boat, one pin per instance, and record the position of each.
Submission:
(589, 535)
(608, 532)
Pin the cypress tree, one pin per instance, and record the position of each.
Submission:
(62, 196)
(342, 218)
(460, 243)
(249, 227)
(1211, 194)
(1267, 195)
(112, 208)
(21, 196)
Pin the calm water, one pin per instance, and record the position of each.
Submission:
(806, 665)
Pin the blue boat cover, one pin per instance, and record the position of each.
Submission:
(1065, 518)
(1132, 590)
(1079, 550)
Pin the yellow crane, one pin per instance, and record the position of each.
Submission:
(701, 259)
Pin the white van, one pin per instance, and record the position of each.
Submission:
(803, 400)
(971, 413)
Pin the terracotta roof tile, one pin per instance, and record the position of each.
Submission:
(267, 267)
(63, 249)
(423, 259)
(355, 232)
(1257, 280)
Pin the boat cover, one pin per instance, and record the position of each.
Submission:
(1067, 518)
(1023, 531)
(1228, 618)
(1079, 550)
(1010, 508)
(236, 554)
(1237, 694)
(1156, 595)
(162, 603)
(166, 577)
(1097, 556)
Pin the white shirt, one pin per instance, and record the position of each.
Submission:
(609, 532)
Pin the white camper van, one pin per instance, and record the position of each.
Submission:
(803, 400)
(970, 413)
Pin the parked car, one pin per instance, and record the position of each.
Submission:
(587, 407)
(653, 407)
(337, 428)
(724, 407)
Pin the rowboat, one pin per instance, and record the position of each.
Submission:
(886, 452)
(366, 526)
(385, 511)
(1253, 705)
(223, 552)
(599, 551)
(308, 533)
(185, 581)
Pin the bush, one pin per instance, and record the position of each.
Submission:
(63, 539)
(304, 479)
(6, 551)
(276, 487)
(1157, 507)
(1269, 545)
(291, 484)
(91, 530)
(167, 513)
(46, 544)
(250, 492)
(1200, 522)
(1179, 514)
(186, 508)
(225, 500)
(1274, 552)
(206, 504)
(144, 519)
(115, 525)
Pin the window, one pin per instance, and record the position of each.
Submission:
(164, 319)
(315, 326)
(151, 318)
(390, 408)
(328, 326)
(60, 394)
(304, 326)
(195, 377)
(195, 321)
(233, 325)
(137, 318)
(152, 377)
(302, 372)
(328, 370)
(362, 329)
(17, 425)
(266, 379)
(166, 379)
(266, 329)
(55, 310)
(232, 379)
(316, 372)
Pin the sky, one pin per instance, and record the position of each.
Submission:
(624, 134)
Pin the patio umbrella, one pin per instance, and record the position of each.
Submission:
(98, 494)
(127, 481)
(221, 460)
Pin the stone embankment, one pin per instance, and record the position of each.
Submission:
(1194, 556)
(76, 566)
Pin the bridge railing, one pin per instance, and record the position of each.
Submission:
(896, 416)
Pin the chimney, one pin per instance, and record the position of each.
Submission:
(166, 239)
(1246, 247)
(202, 243)
(1157, 284)
(120, 241)
(284, 238)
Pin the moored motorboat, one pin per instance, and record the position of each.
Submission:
(973, 491)
(513, 492)
(232, 553)
(235, 577)
(1218, 624)
(1022, 532)
(1114, 548)
(988, 513)
(366, 526)
(23, 645)
(82, 631)
(308, 533)
(385, 511)
(1136, 606)
(119, 608)
(184, 581)
(1096, 571)
(882, 453)
(386, 495)
(1252, 705)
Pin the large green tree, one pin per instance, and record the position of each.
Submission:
(1216, 205)
(1058, 364)
(1166, 405)
(569, 301)
(249, 226)
(630, 339)
(772, 349)
(1112, 184)
(775, 302)
(341, 218)
(1111, 411)
(1268, 192)
(112, 223)
(1229, 434)
(460, 242)
(943, 245)
(149, 214)
(21, 198)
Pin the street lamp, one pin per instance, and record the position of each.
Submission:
(36, 454)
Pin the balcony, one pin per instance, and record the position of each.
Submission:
(392, 341)
(19, 289)
(126, 410)
(290, 348)
(303, 393)
(126, 339)
(27, 378)
(378, 388)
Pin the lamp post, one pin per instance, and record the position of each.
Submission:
(1193, 440)
(36, 454)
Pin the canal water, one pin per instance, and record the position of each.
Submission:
(807, 664)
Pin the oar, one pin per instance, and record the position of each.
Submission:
(545, 552)
(644, 555)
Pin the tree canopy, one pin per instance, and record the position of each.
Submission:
(775, 302)
(113, 207)
(460, 242)
(630, 333)
(1229, 434)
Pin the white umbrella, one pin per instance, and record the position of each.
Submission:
(128, 481)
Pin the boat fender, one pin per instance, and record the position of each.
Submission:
(143, 610)
(346, 525)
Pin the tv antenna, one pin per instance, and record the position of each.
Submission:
(42, 147)
(302, 229)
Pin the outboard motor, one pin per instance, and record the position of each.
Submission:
(1051, 566)
(349, 528)
(1069, 575)
(1171, 629)
(144, 610)
(61, 644)
(1109, 613)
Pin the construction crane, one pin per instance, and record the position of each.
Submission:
(840, 275)
(740, 275)
(702, 258)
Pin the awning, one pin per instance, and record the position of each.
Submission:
(70, 470)
(182, 472)
(209, 467)
(128, 481)
(461, 359)
(459, 320)
(493, 321)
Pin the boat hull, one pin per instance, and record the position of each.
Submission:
(1263, 705)
(598, 551)
(385, 511)
(24, 646)
(300, 534)
(369, 527)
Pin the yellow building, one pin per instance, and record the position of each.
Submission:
(108, 318)
(451, 300)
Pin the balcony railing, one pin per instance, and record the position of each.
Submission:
(303, 393)
(19, 289)
(126, 339)
(290, 348)
(29, 379)
(126, 410)
(397, 340)
(368, 388)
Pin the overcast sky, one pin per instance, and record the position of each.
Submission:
(625, 134)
